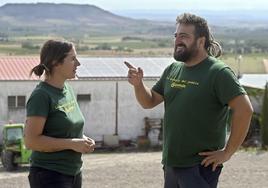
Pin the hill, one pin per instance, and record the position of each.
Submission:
(24, 27)
(62, 18)
(49, 13)
(237, 18)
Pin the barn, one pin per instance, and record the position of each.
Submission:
(105, 97)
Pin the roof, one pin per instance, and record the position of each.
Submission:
(19, 67)
(115, 67)
(257, 81)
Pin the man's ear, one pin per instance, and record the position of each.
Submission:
(201, 42)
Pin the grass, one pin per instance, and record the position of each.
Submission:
(250, 63)
(97, 40)
(17, 50)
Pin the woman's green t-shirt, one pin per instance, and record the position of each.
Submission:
(64, 120)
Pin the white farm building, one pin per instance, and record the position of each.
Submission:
(105, 97)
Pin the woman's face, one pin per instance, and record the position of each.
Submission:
(67, 69)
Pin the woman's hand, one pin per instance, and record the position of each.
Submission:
(83, 145)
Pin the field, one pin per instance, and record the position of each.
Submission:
(250, 63)
(126, 46)
(246, 169)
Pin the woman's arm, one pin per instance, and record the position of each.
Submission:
(34, 139)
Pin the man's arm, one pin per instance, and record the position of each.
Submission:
(145, 96)
(241, 117)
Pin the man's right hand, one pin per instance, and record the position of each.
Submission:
(145, 96)
(135, 75)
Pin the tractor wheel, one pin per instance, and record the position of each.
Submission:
(2, 158)
(8, 161)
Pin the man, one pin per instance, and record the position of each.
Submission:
(198, 92)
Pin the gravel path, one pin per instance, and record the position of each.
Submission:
(143, 170)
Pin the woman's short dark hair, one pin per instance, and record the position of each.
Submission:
(52, 53)
(201, 30)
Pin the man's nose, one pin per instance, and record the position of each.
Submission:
(177, 40)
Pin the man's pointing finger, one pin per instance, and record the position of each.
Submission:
(129, 65)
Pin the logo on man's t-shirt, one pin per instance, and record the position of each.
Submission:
(181, 83)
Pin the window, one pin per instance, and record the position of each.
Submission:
(14, 133)
(83, 97)
(16, 101)
(21, 101)
(11, 101)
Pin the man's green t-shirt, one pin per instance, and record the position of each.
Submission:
(64, 120)
(196, 109)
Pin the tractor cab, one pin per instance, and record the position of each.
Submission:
(14, 151)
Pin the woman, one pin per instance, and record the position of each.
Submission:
(54, 125)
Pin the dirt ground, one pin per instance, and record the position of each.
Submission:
(143, 170)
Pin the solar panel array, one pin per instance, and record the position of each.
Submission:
(115, 68)
(254, 80)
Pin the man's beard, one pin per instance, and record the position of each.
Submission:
(185, 54)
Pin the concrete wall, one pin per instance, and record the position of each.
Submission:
(14, 88)
(99, 113)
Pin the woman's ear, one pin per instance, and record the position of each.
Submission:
(54, 63)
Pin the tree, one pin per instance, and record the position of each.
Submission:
(264, 118)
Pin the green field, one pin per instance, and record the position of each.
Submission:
(124, 46)
(250, 63)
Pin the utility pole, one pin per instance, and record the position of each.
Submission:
(116, 108)
(239, 60)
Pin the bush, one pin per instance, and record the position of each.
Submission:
(103, 47)
(264, 118)
(29, 45)
(82, 48)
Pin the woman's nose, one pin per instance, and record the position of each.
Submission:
(77, 62)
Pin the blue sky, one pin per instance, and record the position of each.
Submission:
(161, 4)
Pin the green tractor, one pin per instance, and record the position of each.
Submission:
(14, 151)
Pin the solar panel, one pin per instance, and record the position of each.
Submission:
(254, 80)
(115, 67)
